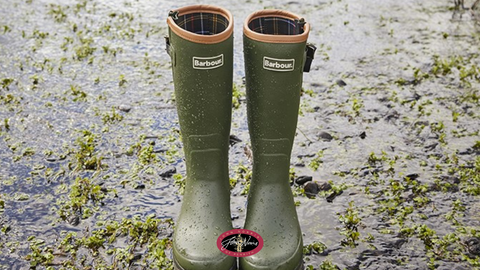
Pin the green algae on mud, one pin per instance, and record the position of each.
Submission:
(388, 131)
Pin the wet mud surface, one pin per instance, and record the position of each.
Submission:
(385, 165)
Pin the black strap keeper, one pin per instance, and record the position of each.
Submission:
(167, 45)
(310, 54)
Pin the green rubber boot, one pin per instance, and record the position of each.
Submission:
(275, 56)
(200, 45)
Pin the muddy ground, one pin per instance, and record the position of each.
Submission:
(91, 167)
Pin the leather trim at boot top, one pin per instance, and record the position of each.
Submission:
(278, 37)
(199, 38)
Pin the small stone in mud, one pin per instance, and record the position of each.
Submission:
(311, 189)
(248, 153)
(234, 140)
(168, 172)
(324, 186)
(325, 136)
(451, 179)
(140, 186)
(74, 220)
(467, 151)
(398, 243)
(412, 176)
(341, 82)
(422, 123)
(332, 196)
(303, 179)
(136, 257)
(392, 115)
(124, 108)
(51, 159)
(363, 135)
(158, 149)
(473, 245)
(55, 158)
(151, 141)
(307, 155)
(430, 147)
(6, 229)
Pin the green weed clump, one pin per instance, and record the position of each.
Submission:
(316, 161)
(465, 68)
(237, 95)
(2, 204)
(403, 203)
(243, 174)
(81, 193)
(328, 265)
(146, 245)
(317, 247)
(58, 13)
(86, 154)
(350, 221)
(469, 175)
(325, 265)
(77, 93)
(5, 83)
(112, 117)
(85, 50)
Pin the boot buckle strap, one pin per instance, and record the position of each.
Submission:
(167, 46)
(310, 54)
(170, 50)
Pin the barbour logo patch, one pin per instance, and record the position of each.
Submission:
(207, 62)
(278, 64)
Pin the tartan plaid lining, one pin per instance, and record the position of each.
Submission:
(202, 23)
(275, 26)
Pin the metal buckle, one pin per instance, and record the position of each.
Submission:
(173, 14)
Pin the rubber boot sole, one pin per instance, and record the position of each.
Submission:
(177, 266)
(300, 266)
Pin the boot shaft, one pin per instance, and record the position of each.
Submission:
(200, 45)
(275, 55)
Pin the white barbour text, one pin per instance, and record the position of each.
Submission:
(278, 64)
(207, 62)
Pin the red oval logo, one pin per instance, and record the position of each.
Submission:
(240, 243)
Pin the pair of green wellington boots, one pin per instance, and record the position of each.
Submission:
(200, 44)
